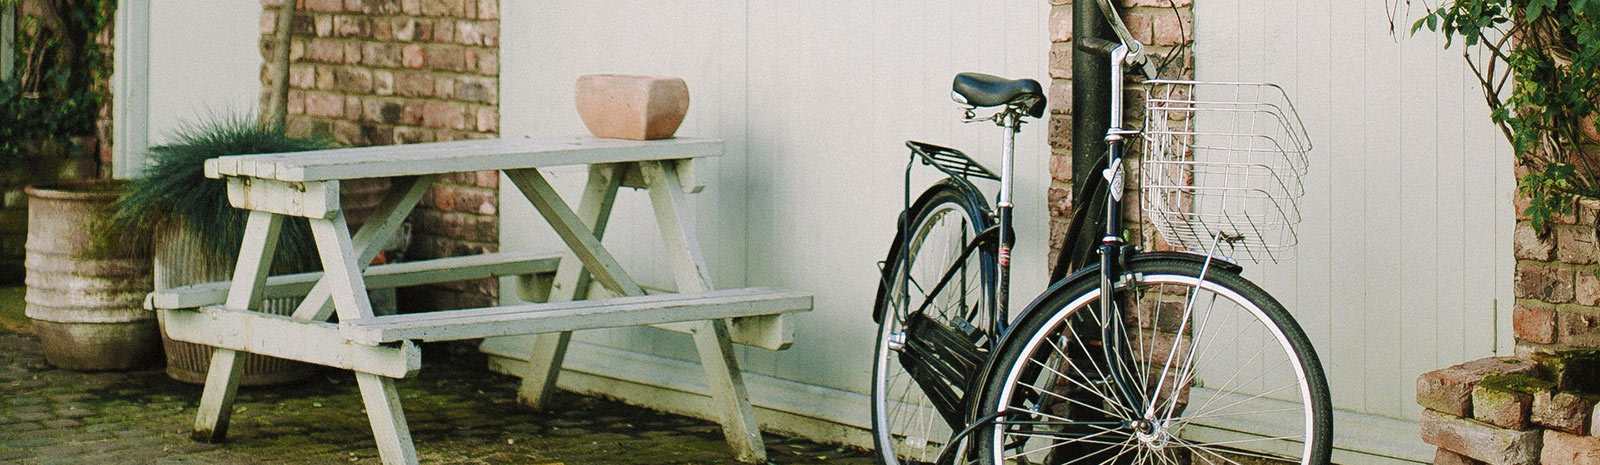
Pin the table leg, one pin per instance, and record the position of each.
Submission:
(711, 340)
(249, 278)
(571, 283)
(385, 220)
(388, 420)
(349, 293)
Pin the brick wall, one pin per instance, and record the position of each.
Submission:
(1539, 406)
(378, 72)
(1162, 25)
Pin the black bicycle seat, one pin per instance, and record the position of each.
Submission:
(983, 90)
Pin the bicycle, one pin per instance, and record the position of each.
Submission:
(1188, 361)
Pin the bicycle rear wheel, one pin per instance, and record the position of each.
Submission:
(930, 342)
(1221, 373)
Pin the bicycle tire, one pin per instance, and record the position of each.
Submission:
(1067, 413)
(906, 426)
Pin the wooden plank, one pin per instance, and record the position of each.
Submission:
(388, 420)
(340, 268)
(459, 156)
(216, 401)
(711, 339)
(441, 270)
(578, 237)
(284, 337)
(380, 226)
(255, 259)
(303, 199)
(571, 316)
(771, 332)
(634, 178)
(571, 281)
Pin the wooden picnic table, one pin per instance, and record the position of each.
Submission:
(381, 348)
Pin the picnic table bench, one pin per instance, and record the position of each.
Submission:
(381, 348)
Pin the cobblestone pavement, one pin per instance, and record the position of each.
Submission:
(458, 415)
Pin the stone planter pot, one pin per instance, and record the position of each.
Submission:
(46, 162)
(632, 107)
(178, 263)
(86, 305)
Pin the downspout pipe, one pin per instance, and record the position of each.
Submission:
(1090, 88)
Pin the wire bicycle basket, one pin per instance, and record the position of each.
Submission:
(1222, 165)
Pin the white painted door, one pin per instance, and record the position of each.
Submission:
(1404, 263)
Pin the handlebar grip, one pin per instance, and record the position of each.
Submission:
(1097, 46)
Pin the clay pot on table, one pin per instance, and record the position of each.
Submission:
(632, 107)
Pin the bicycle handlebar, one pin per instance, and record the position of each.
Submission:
(1135, 48)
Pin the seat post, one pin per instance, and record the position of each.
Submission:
(1011, 121)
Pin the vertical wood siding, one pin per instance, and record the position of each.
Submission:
(1404, 263)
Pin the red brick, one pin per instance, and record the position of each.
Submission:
(352, 26)
(1501, 407)
(444, 87)
(411, 7)
(325, 105)
(488, 62)
(405, 29)
(461, 226)
(1061, 62)
(348, 133)
(1061, 24)
(325, 78)
(488, 119)
(1449, 390)
(383, 82)
(411, 56)
(488, 179)
(324, 6)
(1575, 245)
(413, 84)
(1562, 411)
(444, 115)
(322, 25)
(1060, 135)
(297, 102)
(355, 80)
(381, 55)
(1528, 244)
(302, 76)
(488, 9)
(1059, 202)
(1172, 28)
(456, 8)
(1568, 449)
(445, 58)
(403, 135)
(1577, 326)
(1543, 282)
(1587, 288)
(478, 89)
(1061, 167)
(1139, 26)
(1480, 441)
(325, 51)
(269, 22)
(1534, 324)
(1060, 97)
(1445, 457)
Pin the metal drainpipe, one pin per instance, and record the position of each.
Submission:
(1089, 87)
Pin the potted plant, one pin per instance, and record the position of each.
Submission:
(86, 298)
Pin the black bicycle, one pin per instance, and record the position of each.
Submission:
(1165, 357)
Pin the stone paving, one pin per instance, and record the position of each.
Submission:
(458, 412)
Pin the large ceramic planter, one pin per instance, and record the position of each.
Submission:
(45, 162)
(632, 107)
(86, 305)
(180, 262)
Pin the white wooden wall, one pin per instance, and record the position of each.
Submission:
(815, 101)
(1404, 264)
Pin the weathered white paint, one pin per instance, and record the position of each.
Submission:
(1404, 263)
(130, 89)
(814, 101)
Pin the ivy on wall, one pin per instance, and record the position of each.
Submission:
(53, 94)
(1538, 62)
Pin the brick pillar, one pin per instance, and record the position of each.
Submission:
(1163, 26)
(379, 72)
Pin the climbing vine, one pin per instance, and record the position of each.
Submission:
(1538, 62)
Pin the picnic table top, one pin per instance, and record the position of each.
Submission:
(452, 157)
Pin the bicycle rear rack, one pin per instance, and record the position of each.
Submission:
(950, 161)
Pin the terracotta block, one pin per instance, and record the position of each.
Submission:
(1480, 441)
(1534, 324)
(1578, 327)
(1575, 245)
(1445, 457)
(632, 107)
(1449, 390)
(1546, 283)
(1562, 411)
(1505, 408)
(1528, 244)
(1569, 449)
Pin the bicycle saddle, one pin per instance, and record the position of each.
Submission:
(983, 90)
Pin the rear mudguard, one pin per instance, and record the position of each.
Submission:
(974, 200)
(1090, 272)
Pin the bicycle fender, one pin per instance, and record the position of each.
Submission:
(968, 193)
(1090, 272)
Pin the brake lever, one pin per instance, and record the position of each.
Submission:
(1136, 56)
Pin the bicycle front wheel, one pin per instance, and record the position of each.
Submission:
(930, 341)
(1212, 370)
